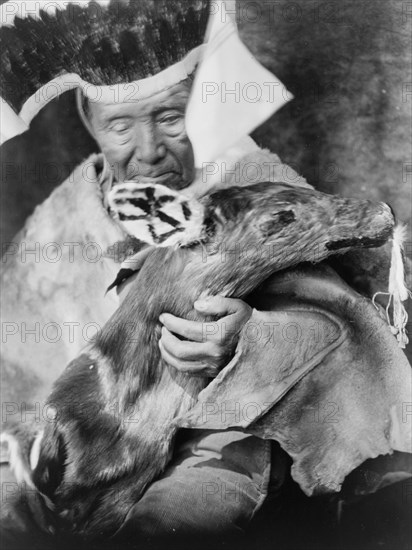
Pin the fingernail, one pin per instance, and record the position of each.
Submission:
(200, 304)
(161, 318)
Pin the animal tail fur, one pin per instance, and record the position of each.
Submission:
(397, 289)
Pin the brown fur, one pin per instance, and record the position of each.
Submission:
(115, 405)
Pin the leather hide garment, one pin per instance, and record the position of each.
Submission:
(323, 377)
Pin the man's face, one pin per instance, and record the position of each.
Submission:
(146, 141)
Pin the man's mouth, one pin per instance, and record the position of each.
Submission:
(163, 178)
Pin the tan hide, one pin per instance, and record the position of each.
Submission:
(320, 372)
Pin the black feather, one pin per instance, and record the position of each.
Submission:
(124, 42)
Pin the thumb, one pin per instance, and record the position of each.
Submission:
(222, 306)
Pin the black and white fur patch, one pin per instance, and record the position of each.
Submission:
(156, 214)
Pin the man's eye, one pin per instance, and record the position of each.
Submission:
(119, 127)
(171, 119)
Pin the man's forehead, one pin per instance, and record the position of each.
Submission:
(174, 97)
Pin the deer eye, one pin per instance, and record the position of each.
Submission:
(277, 221)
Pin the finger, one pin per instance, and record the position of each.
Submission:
(188, 350)
(192, 330)
(187, 367)
(223, 307)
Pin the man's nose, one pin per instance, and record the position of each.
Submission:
(149, 144)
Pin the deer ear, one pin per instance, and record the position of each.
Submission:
(277, 222)
(131, 266)
(47, 459)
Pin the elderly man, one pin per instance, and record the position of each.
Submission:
(69, 251)
(216, 480)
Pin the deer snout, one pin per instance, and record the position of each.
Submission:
(392, 211)
(385, 218)
(364, 224)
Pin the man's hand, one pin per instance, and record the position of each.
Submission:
(208, 346)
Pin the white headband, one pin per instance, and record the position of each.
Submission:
(131, 92)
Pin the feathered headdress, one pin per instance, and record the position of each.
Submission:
(96, 46)
(120, 43)
(127, 50)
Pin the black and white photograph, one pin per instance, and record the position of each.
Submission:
(206, 274)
